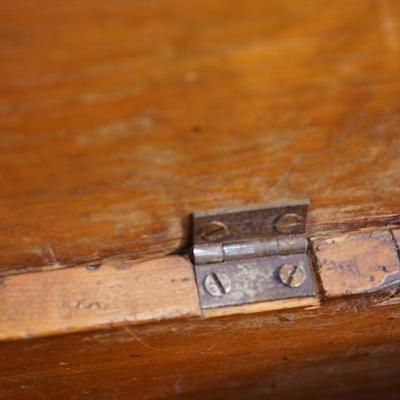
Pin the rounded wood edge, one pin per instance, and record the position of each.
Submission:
(305, 302)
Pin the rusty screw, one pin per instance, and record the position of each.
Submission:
(217, 284)
(292, 275)
(213, 231)
(289, 223)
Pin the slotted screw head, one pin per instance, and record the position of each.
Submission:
(217, 284)
(289, 223)
(292, 275)
(213, 231)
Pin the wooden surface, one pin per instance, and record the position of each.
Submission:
(121, 293)
(396, 235)
(114, 294)
(118, 119)
(344, 350)
(357, 263)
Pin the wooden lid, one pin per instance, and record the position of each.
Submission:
(113, 130)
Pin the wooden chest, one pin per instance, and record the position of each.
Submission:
(119, 120)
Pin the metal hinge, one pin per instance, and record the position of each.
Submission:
(252, 254)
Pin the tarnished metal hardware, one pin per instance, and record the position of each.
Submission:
(249, 223)
(219, 252)
(292, 275)
(251, 281)
(217, 284)
(252, 254)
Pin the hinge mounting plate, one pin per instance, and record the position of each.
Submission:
(252, 254)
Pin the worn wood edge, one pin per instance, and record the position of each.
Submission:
(396, 236)
(125, 292)
(92, 263)
(114, 294)
(317, 228)
(298, 302)
(356, 263)
(384, 222)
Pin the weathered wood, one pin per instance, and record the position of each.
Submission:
(308, 303)
(357, 263)
(118, 119)
(114, 294)
(396, 235)
(122, 292)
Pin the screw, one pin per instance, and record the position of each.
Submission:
(213, 231)
(93, 267)
(217, 284)
(292, 275)
(289, 223)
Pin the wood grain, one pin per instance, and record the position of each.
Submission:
(307, 303)
(108, 295)
(357, 263)
(118, 119)
(124, 292)
(396, 235)
(113, 294)
(344, 350)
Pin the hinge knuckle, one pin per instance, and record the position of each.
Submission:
(292, 244)
(216, 253)
(208, 253)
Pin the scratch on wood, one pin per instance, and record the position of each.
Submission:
(87, 305)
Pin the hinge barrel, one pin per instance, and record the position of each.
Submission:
(220, 252)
